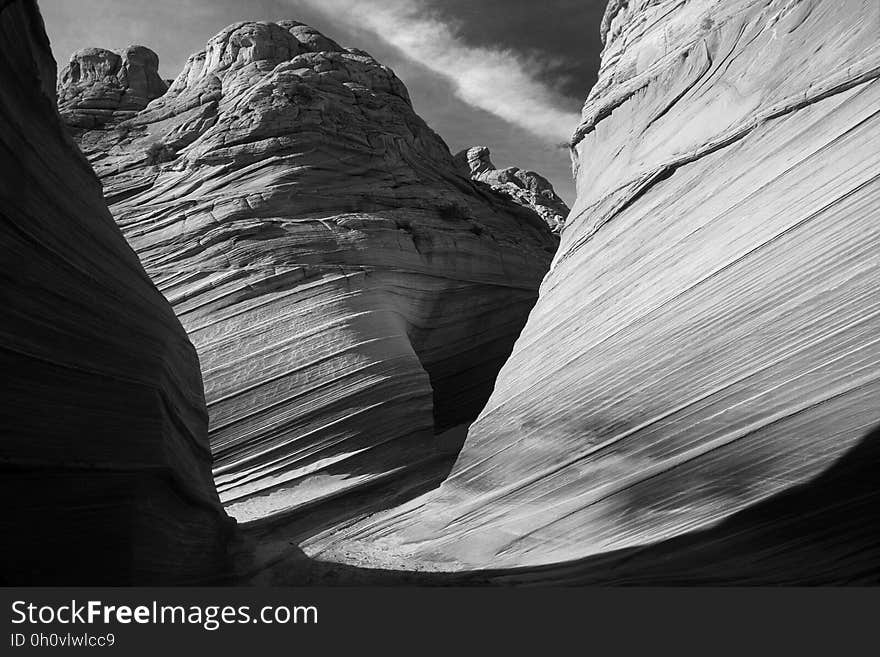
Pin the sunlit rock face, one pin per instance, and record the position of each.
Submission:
(106, 466)
(349, 291)
(707, 335)
(527, 188)
(100, 87)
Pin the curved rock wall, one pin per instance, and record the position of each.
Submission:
(105, 461)
(349, 292)
(707, 336)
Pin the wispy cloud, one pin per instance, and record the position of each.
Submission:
(500, 81)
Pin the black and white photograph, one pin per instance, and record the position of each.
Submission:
(462, 295)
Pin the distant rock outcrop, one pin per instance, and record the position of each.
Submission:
(706, 340)
(100, 87)
(527, 188)
(349, 292)
(106, 467)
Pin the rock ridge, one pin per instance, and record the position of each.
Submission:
(99, 86)
(526, 188)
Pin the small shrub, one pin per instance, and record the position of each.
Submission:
(159, 152)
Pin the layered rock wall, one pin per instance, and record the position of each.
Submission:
(350, 293)
(105, 461)
(707, 336)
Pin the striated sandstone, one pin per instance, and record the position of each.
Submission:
(705, 343)
(349, 292)
(105, 461)
(100, 87)
(527, 188)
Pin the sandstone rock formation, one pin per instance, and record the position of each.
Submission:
(100, 87)
(526, 188)
(350, 294)
(106, 467)
(706, 339)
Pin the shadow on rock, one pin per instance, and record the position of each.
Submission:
(824, 532)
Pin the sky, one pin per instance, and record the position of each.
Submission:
(508, 74)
